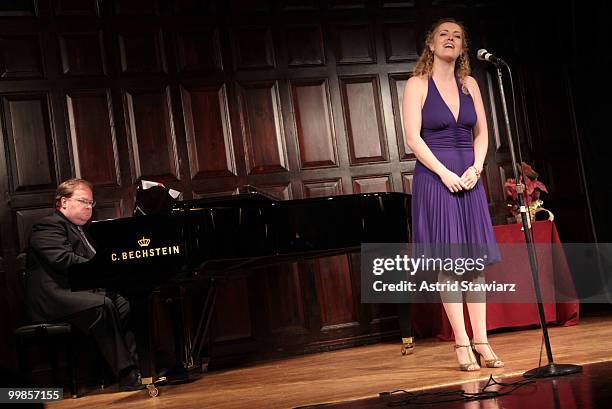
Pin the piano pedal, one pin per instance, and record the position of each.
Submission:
(152, 385)
(408, 346)
(152, 389)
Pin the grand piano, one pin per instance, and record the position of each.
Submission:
(170, 242)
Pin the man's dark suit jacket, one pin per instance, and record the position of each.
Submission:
(55, 244)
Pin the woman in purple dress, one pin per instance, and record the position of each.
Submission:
(446, 128)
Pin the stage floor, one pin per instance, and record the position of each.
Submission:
(362, 372)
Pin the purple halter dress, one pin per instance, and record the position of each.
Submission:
(438, 215)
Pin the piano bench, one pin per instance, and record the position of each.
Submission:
(54, 336)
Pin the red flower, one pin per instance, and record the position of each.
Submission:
(532, 185)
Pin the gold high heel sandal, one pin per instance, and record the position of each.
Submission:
(489, 363)
(471, 365)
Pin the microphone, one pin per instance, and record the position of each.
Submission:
(484, 55)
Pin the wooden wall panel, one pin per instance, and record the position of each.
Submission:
(76, 7)
(397, 83)
(372, 184)
(305, 46)
(347, 4)
(233, 298)
(151, 131)
(242, 6)
(280, 191)
(21, 8)
(20, 56)
(296, 5)
(142, 52)
(252, 48)
(28, 137)
(407, 182)
(335, 293)
(199, 51)
(354, 44)
(82, 53)
(285, 301)
(92, 136)
(136, 7)
(397, 3)
(363, 118)
(262, 124)
(313, 121)
(207, 125)
(317, 188)
(400, 42)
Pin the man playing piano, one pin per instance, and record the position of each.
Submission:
(58, 242)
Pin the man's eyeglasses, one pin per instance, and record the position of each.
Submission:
(86, 202)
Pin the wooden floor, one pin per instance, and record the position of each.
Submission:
(362, 372)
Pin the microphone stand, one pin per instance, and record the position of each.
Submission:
(551, 369)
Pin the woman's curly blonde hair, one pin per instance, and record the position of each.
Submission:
(424, 65)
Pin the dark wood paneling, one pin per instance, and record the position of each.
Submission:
(207, 125)
(107, 210)
(92, 136)
(354, 44)
(27, 134)
(400, 42)
(262, 125)
(136, 7)
(252, 48)
(284, 300)
(199, 51)
(281, 191)
(142, 52)
(317, 188)
(335, 293)
(151, 131)
(20, 56)
(242, 6)
(397, 3)
(76, 7)
(295, 5)
(232, 320)
(397, 83)
(16, 8)
(407, 182)
(347, 4)
(304, 45)
(313, 121)
(363, 118)
(82, 53)
(372, 184)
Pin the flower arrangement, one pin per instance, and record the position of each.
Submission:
(531, 194)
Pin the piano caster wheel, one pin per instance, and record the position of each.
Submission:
(407, 346)
(153, 391)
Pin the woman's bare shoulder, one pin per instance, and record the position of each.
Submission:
(417, 84)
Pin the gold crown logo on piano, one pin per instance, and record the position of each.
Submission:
(144, 242)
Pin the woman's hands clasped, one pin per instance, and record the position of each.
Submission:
(454, 183)
(469, 178)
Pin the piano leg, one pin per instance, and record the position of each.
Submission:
(183, 338)
(139, 308)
